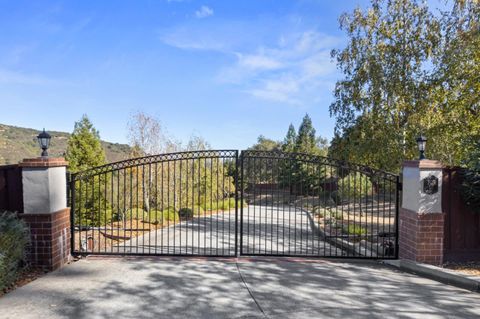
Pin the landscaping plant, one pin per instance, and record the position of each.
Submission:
(13, 241)
(470, 187)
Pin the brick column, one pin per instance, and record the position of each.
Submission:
(46, 212)
(421, 220)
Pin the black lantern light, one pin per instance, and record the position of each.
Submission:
(44, 142)
(421, 142)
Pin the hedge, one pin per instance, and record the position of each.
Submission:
(13, 242)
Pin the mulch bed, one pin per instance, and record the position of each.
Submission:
(26, 276)
(471, 268)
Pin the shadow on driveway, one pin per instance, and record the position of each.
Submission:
(231, 288)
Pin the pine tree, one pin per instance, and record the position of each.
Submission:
(290, 140)
(306, 176)
(286, 168)
(84, 149)
(306, 141)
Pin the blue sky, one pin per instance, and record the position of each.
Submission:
(226, 70)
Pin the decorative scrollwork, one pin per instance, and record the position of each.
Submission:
(233, 154)
(152, 159)
(309, 158)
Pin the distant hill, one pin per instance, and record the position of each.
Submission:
(17, 143)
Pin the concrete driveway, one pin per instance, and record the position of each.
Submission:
(231, 288)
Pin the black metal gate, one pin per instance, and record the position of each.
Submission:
(170, 204)
(213, 203)
(306, 205)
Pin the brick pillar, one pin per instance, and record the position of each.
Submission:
(421, 218)
(46, 212)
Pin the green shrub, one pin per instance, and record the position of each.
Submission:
(169, 215)
(354, 185)
(337, 215)
(470, 187)
(158, 216)
(185, 213)
(356, 230)
(225, 204)
(153, 216)
(198, 210)
(335, 199)
(319, 211)
(13, 241)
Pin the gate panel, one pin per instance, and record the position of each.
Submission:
(305, 205)
(170, 204)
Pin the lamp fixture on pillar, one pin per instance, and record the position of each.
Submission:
(44, 142)
(421, 142)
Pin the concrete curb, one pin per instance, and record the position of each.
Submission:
(436, 273)
(355, 250)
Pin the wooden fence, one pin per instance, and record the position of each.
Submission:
(462, 226)
(11, 191)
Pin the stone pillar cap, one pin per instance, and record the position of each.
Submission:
(44, 162)
(424, 164)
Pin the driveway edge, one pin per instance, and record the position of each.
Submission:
(436, 273)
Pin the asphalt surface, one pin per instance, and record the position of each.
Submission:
(266, 230)
(171, 287)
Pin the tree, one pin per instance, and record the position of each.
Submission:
(290, 140)
(384, 85)
(408, 72)
(84, 148)
(197, 143)
(470, 187)
(265, 144)
(146, 138)
(454, 121)
(84, 151)
(306, 141)
(146, 135)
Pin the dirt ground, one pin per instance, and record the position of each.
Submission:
(469, 268)
(27, 275)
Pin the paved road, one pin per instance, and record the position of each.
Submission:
(201, 288)
(267, 230)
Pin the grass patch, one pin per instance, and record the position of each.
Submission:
(356, 230)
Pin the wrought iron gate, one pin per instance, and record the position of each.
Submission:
(170, 204)
(215, 203)
(306, 205)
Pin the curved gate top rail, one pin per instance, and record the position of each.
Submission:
(152, 159)
(310, 158)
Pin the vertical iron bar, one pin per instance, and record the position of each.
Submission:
(156, 207)
(223, 211)
(71, 182)
(180, 205)
(241, 199)
(236, 207)
(217, 162)
(168, 208)
(397, 206)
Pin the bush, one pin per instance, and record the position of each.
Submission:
(470, 187)
(198, 210)
(356, 230)
(354, 185)
(225, 204)
(319, 211)
(13, 241)
(168, 214)
(185, 213)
